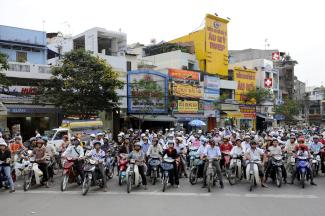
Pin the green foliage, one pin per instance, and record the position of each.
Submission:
(288, 109)
(258, 96)
(84, 84)
(4, 66)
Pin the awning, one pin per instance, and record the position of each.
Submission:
(261, 115)
(154, 118)
(29, 108)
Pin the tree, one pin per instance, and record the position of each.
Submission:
(84, 85)
(4, 66)
(288, 109)
(258, 96)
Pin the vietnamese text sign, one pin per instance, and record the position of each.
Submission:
(187, 106)
(184, 74)
(187, 90)
(246, 81)
(211, 88)
(147, 92)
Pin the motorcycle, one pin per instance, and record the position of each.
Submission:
(3, 179)
(89, 170)
(69, 174)
(315, 164)
(133, 176)
(235, 172)
(167, 170)
(110, 164)
(252, 173)
(122, 165)
(32, 174)
(154, 164)
(302, 170)
(211, 177)
(226, 157)
(276, 170)
(196, 162)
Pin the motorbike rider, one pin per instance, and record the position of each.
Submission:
(315, 146)
(40, 159)
(255, 153)
(145, 144)
(17, 145)
(5, 158)
(139, 156)
(212, 152)
(246, 143)
(98, 155)
(65, 143)
(171, 152)
(181, 151)
(225, 148)
(274, 150)
(91, 140)
(302, 149)
(154, 152)
(237, 150)
(50, 152)
(289, 148)
(76, 153)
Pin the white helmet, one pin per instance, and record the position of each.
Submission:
(3, 142)
(92, 135)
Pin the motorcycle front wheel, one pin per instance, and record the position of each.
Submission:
(279, 178)
(27, 182)
(85, 185)
(129, 184)
(165, 183)
(193, 176)
(232, 176)
(210, 182)
(252, 182)
(64, 182)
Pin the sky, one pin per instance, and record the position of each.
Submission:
(293, 26)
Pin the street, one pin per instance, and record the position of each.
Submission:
(186, 200)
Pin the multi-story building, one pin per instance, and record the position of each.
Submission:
(108, 45)
(316, 105)
(27, 56)
(300, 97)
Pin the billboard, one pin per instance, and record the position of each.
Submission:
(211, 88)
(246, 81)
(187, 90)
(184, 74)
(216, 44)
(187, 106)
(147, 92)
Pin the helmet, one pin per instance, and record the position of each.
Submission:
(3, 142)
(315, 137)
(92, 135)
(99, 134)
(137, 144)
(301, 139)
(226, 137)
(247, 137)
(45, 138)
(171, 142)
(18, 137)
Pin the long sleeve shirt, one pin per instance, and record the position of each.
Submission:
(212, 152)
(236, 151)
(254, 154)
(154, 151)
(98, 156)
(73, 152)
(139, 156)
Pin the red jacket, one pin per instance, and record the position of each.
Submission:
(225, 147)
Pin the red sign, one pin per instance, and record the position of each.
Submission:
(276, 56)
(268, 83)
(184, 74)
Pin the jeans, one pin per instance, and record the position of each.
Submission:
(7, 172)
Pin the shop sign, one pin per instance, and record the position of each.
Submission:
(147, 92)
(18, 90)
(186, 106)
(187, 90)
(246, 81)
(184, 74)
(211, 88)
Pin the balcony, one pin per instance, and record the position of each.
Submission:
(28, 71)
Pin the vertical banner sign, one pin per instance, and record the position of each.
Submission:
(211, 88)
(216, 39)
(246, 81)
(147, 92)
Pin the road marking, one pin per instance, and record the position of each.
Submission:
(275, 196)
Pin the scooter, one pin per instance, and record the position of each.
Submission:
(196, 162)
(110, 163)
(89, 170)
(315, 164)
(235, 170)
(226, 157)
(32, 174)
(167, 170)
(211, 175)
(276, 170)
(133, 177)
(252, 173)
(69, 174)
(302, 170)
(122, 166)
(154, 164)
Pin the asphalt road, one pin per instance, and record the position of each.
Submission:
(186, 200)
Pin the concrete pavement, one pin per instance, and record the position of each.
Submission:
(186, 200)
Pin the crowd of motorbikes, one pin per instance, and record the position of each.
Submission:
(190, 160)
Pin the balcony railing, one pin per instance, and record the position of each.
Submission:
(26, 67)
(19, 67)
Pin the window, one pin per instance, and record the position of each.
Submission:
(21, 56)
(128, 66)
(190, 66)
(59, 135)
(267, 75)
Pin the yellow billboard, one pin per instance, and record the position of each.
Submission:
(210, 45)
(216, 39)
(187, 90)
(246, 81)
(186, 106)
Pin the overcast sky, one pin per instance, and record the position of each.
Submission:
(293, 26)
